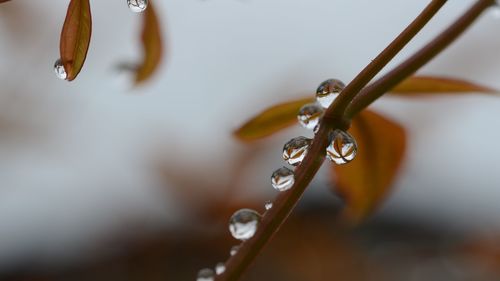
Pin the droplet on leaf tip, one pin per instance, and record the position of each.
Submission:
(295, 150)
(59, 70)
(137, 6)
(244, 223)
(328, 91)
(342, 147)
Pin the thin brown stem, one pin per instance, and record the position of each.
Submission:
(419, 59)
(336, 110)
(285, 202)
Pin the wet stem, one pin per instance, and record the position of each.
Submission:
(353, 99)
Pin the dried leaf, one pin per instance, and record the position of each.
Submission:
(365, 181)
(431, 85)
(271, 120)
(152, 45)
(75, 37)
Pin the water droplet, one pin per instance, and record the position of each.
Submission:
(137, 6)
(59, 70)
(342, 148)
(220, 268)
(295, 150)
(234, 250)
(309, 115)
(328, 91)
(283, 179)
(243, 224)
(316, 129)
(206, 274)
(268, 205)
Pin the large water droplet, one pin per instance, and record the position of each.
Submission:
(59, 70)
(206, 274)
(234, 250)
(283, 179)
(328, 91)
(268, 205)
(220, 268)
(295, 150)
(243, 224)
(309, 115)
(137, 6)
(342, 148)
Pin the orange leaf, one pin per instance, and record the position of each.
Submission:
(425, 85)
(152, 45)
(365, 181)
(75, 37)
(271, 120)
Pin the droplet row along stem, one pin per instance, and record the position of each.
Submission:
(285, 202)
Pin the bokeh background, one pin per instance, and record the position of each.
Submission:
(102, 181)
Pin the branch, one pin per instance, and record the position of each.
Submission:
(286, 201)
(336, 110)
(419, 59)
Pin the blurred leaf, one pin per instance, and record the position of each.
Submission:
(271, 120)
(152, 45)
(283, 115)
(3, 1)
(365, 181)
(425, 85)
(75, 37)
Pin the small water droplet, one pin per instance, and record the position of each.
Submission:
(137, 6)
(59, 70)
(316, 129)
(328, 91)
(295, 150)
(206, 274)
(283, 179)
(243, 224)
(268, 205)
(309, 115)
(234, 250)
(342, 148)
(220, 268)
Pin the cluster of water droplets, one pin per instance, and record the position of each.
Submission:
(137, 6)
(342, 148)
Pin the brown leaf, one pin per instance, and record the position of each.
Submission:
(3, 1)
(152, 45)
(431, 85)
(271, 120)
(365, 181)
(75, 37)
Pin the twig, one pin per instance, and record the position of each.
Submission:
(285, 202)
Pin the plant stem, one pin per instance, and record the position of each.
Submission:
(286, 201)
(336, 110)
(419, 59)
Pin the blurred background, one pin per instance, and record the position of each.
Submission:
(101, 181)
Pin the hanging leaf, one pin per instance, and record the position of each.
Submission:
(431, 85)
(365, 181)
(75, 37)
(152, 46)
(271, 120)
